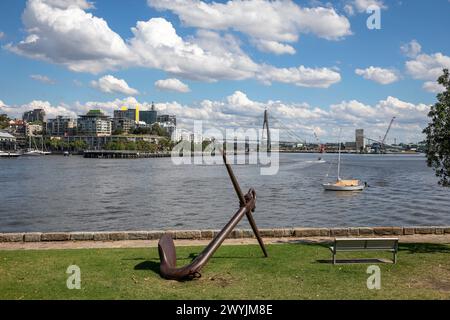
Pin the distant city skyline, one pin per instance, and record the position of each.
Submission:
(314, 65)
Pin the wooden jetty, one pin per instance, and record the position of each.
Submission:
(123, 154)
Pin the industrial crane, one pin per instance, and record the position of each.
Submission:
(319, 144)
(386, 134)
(381, 143)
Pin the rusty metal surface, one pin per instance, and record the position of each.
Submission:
(166, 246)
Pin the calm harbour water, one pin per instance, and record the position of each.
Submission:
(75, 194)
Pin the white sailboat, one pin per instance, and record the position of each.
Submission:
(343, 185)
(35, 152)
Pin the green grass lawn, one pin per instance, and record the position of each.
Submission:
(293, 271)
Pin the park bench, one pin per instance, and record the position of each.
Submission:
(365, 244)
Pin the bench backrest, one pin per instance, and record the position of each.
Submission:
(372, 243)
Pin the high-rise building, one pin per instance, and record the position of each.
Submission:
(34, 116)
(360, 144)
(61, 126)
(149, 116)
(94, 123)
(126, 114)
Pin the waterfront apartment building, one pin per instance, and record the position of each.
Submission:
(360, 144)
(7, 141)
(34, 116)
(125, 125)
(61, 126)
(165, 118)
(32, 130)
(130, 114)
(94, 123)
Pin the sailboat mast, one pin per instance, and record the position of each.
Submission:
(339, 158)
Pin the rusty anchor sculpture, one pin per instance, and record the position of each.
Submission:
(166, 246)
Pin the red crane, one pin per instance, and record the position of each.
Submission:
(320, 145)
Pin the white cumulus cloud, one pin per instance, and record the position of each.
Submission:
(273, 47)
(87, 44)
(52, 111)
(379, 75)
(301, 76)
(64, 4)
(428, 66)
(270, 24)
(172, 85)
(411, 49)
(41, 78)
(110, 84)
(363, 5)
(434, 87)
(84, 42)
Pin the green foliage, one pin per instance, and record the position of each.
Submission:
(141, 130)
(4, 121)
(165, 144)
(143, 146)
(438, 133)
(61, 145)
(117, 132)
(79, 145)
(157, 130)
(154, 130)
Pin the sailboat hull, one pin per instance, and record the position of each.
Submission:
(334, 187)
(8, 155)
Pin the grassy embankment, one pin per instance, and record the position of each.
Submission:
(293, 271)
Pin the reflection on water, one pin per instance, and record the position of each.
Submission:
(73, 194)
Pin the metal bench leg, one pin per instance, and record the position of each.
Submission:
(334, 258)
(395, 257)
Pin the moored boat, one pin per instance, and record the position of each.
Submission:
(9, 154)
(345, 185)
(341, 184)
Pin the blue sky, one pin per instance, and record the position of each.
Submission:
(55, 72)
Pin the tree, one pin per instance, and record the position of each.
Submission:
(158, 131)
(118, 132)
(80, 145)
(4, 121)
(438, 133)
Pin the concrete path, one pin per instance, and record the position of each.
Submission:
(154, 243)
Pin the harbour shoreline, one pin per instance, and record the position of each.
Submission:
(210, 234)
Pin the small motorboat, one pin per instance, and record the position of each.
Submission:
(319, 160)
